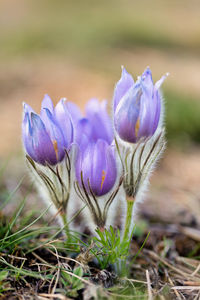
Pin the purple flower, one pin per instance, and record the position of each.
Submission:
(137, 106)
(96, 162)
(96, 157)
(46, 137)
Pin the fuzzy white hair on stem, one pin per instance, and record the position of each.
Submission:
(54, 184)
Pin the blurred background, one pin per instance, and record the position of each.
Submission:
(75, 49)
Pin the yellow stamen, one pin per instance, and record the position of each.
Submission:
(103, 178)
(137, 126)
(55, 145)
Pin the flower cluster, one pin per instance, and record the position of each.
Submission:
(96, 155)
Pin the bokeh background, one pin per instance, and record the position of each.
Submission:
(75, 49)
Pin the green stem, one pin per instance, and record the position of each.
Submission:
(128, 229)
(65, 223)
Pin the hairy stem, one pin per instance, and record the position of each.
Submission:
(65, 223)
(127, 229)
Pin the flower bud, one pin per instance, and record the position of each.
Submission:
(96, 167)
(42, 135)
(137, 106)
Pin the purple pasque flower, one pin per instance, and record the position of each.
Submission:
(96, 168)
(96, 158)
(43, 137)
(137, 106)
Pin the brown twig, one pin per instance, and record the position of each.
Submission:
(150, 296)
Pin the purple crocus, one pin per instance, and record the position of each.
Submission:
(137, 106)
(43, 136)
(96, 165)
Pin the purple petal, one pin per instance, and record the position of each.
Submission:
(83, 133)
(150, 106)
(126, 114)
(145, 116)
(156, 116)
(64, 120)
(110, 172)
(160, 82)
(123, 85)
(27, 136)
(54, 133)
(27, 109)
(99, 167)
(47, 103)
(147, 82)
(41, 143)
(84, 165)
(97, 114)
(74, 111)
